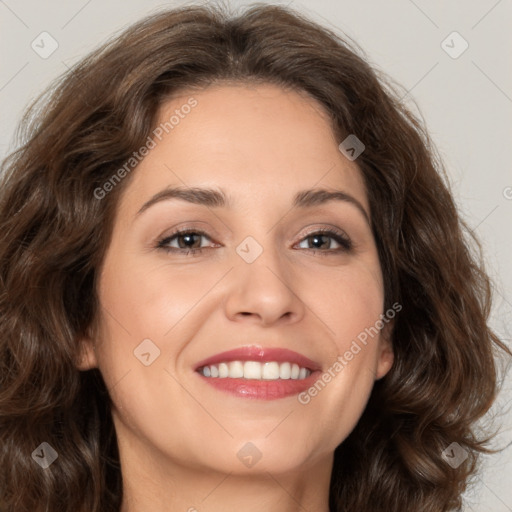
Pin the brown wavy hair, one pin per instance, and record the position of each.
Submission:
(54, 232)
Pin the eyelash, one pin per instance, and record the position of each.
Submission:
(338, 236)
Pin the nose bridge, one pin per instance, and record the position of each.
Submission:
(262, 286)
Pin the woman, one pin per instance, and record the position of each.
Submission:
(234, 277)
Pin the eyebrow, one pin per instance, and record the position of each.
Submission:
(213, 198)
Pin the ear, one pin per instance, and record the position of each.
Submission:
(86, 354)
(386, 355)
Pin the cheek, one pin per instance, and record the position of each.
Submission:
(350, 302)
(140, 307)
(149, 300)
(152, 302)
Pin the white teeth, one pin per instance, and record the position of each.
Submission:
(256, 370)
(236, 370)
(252, 370)
(285, 370)
(270, 371)
(223, 370)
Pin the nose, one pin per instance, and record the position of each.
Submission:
(263, 292)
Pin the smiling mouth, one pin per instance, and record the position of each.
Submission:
(259, 373)
(255, 370)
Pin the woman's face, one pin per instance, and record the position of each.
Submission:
(270, 277)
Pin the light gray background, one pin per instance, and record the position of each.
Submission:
(466, 103)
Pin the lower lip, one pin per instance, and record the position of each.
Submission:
(261, 389)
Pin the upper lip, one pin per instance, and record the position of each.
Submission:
(256, 353)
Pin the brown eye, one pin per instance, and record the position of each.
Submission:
(189, 240)
(326, 241)
(184, 241)
(319, 241)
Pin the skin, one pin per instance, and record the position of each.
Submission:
(179, 437)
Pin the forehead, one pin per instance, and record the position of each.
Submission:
(247, 140)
